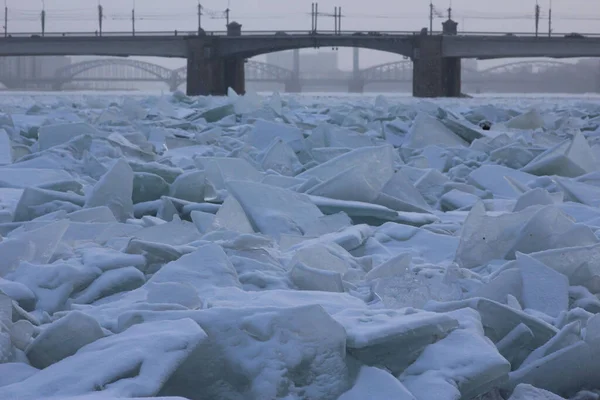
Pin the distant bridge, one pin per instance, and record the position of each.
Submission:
(127, 70)
(216, 60)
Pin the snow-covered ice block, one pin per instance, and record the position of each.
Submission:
(269, 353)
(63, 338)
(544, 289)
(109, 283)
(53, 284)
(36, 246)
(570, 159)
(15, 372)
(316, 279)
(563, 372)
(426, 130)
(464, 364)
(274, 211)
(114, 190)
(374, 212)
(57, 134)
(492, 178)
(375, 383)
(203, 269)
(499, 320)
(394, 339)
(135, 363)
(516, 345)
(524, 391)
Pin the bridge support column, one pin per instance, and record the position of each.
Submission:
(208, 74)
(293, 86)
(433, 74)
(356, 86)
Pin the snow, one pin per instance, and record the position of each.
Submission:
(298, 247)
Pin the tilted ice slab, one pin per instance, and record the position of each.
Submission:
(570, 158)
(135, 363)
(427, 130)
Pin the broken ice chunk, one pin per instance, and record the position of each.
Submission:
(375, 383)
(274, 211)
(426, 130)
(544, 289)
(63, 338)
(114, 190)
(464, 364)
(491, 177)
(35, 246)
(529, 120)
(280, 157)
(570, 159)
(56, 134)
(391, 338)
(135, 363)
(189, 186)
(528, 392)
(307, 278)
(265, 132)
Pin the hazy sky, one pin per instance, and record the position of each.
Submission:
(399, 15)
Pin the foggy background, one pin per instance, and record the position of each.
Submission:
(581, 16)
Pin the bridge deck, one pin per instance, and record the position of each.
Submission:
(251, 44)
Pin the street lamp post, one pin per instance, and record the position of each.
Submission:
(133, 18)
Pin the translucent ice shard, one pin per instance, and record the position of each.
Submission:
(427, 130)
(114, 190)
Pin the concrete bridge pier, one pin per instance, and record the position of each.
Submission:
(433, 74)
(209, 74)
(293, 86)
(356, 86)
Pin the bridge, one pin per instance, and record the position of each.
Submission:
(529, 73)
(216, 60)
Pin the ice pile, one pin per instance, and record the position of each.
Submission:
(298, 248)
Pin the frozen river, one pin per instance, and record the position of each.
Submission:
(306, 246)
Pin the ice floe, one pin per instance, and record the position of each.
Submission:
(298, 247)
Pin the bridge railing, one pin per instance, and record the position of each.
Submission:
(250, 33)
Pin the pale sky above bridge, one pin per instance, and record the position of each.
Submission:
(380, 15)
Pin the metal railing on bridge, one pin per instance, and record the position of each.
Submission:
(251, 33)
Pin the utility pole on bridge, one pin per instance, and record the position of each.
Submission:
(133, 18)
(314, 15)
(537, 19)
(100, 17)
(550, 19)
(43, 17)
(5, 18)
(199, 18)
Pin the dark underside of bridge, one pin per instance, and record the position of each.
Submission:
(208, 73)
